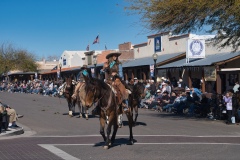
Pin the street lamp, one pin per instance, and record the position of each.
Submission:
(155, 57)
(95, 64)
(6, 68)
(60, 66)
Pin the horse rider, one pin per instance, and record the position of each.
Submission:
(83, 71)
(112, 77)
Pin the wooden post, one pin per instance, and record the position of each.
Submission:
(203, 82)
(189, 79)
(218, 81)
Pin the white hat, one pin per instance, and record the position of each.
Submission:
(135, 78)
(158, 91)
(180, 80)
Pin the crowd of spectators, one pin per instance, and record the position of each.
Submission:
(46, 88)
(173, 96)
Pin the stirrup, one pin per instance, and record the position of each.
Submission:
(125, 108)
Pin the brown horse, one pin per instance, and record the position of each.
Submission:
(138, 94)
(67, 93)
(102, 94)
(81, 104)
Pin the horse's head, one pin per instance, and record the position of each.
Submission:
(95, 90)
(90, 91)
(69, 83)
(139, 90)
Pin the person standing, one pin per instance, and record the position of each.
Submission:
(228, 102)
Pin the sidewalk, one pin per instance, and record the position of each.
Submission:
(12, 132)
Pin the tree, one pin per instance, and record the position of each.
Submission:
(185, 16)
(16, 59)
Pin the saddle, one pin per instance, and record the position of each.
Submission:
(119, 89)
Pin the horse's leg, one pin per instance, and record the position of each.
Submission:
(120, 120)
(136, 115)
(73, 106)
(115, 127)
(69, 108)
(130, 124)
(112, 120)
(80, 108)
(85, 111)
(102, 126)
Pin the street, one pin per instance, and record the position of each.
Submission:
(51, 134)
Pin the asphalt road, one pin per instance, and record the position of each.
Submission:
(51, 134)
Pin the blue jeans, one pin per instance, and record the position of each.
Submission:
(168, 107)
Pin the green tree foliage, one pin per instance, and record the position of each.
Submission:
(185, 16)
(16, 59)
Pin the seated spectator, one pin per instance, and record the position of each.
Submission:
(163, 101)
(154, 100)
(188, 102)
(204, 106)
(180, 103)
(195, 103)
(4, 118)
(12, 117)
(170, 102)
(146, 98)
(213, 105)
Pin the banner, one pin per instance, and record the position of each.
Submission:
(58, 74)
(157, 44)
(152, 70)
(210, 73)
(93, 72)
(36, 75)
(120, 71)
(196, 48)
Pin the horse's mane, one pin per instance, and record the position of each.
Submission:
(99, 83)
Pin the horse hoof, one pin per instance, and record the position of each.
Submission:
(105, 147)
(130, 143)
(86, 118)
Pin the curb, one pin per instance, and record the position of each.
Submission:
(12, 132)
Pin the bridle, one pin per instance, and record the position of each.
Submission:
(96, 99)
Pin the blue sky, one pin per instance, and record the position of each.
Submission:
(48, 27)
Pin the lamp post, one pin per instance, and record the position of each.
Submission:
(95, 64)
(60, 66)
(6, 68)
(155, 57)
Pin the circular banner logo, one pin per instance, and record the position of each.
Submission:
(196, 47)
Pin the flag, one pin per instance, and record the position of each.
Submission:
(96, 40)
(87, 49)
(105, 47)
(54, 68)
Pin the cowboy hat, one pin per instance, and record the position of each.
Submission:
(114, 53)
(84, 66)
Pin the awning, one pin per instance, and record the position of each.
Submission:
(149, 60)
